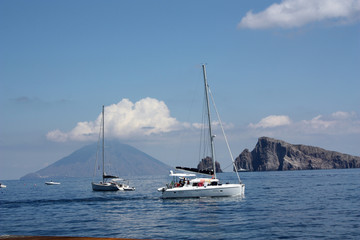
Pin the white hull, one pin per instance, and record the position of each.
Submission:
(105, 186)
(52, 183)
(224, 190)
(2, 186)
(127, 188)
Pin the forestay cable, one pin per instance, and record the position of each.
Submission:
(222, 129)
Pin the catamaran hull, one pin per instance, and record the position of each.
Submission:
(105, 187)
(225, 190)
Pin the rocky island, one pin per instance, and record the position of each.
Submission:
(275, 155)
(207, 164)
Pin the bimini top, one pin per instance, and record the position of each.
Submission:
(172, 174)
(204, 180)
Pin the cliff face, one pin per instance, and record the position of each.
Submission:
(207, 164)
(275, 155)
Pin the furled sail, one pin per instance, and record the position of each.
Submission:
(207, 172)
(109, 176)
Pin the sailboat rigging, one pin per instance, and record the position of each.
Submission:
(183, 186)
(109, 182)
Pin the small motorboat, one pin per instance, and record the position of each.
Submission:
(52, 183)
(2, 185)
(123, 184)
(128, 188)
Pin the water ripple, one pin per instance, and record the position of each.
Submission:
(277, 205)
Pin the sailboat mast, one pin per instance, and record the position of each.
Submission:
(209, 119)
(103, 141)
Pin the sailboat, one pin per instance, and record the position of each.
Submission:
(109, 182)
(186, 185)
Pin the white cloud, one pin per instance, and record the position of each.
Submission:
(343, 115)
(214, 125)
(272, 121)
(318, 123)
(57, 135)
(337, 123)
(124, 120)
(297, 13)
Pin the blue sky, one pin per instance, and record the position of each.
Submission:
(283, 69)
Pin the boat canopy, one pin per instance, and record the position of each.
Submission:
(203, 180)
(117, 179)
(172, 174)
(206, 172)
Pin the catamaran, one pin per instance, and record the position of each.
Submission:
(186, 185)
(109, 182)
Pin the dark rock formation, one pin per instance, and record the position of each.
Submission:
(207, 164)
(121, 159)
(275, 155)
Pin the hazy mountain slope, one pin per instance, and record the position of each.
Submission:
(121, 159)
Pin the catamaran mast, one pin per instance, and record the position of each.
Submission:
(209, 119)
(103, 142)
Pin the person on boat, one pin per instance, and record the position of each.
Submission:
(182, 182)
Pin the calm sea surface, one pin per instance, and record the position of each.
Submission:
(321, 204)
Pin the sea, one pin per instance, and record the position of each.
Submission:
(316, 204)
